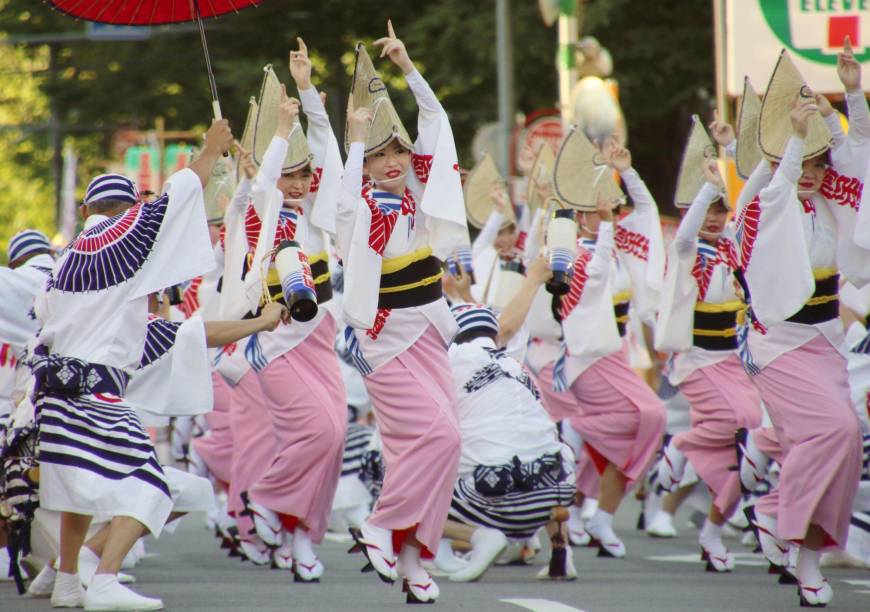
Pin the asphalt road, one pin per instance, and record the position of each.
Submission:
(190, 573)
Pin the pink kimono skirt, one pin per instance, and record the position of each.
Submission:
(415, 406)
(806, 392)
(722, 399)
(307, 412)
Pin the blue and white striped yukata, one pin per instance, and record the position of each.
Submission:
(95, 457)
(513, 470)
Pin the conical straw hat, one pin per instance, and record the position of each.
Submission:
(581, 173)
(748, 151)
(298, 153)
(247, 140)
(541, 175)
(698, 148)
(478, 187)
(775, 128)
(218, 191)
(368, 90)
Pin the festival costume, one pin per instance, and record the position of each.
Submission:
(95, 457)
(309, 417)
(699, 319)
(391, 246)
(616, 413)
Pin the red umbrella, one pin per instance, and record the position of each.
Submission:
(156, 12)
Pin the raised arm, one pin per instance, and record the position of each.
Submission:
(319, 128)
(619, 159)
(687, 233)
(218, 140)
(515, 312)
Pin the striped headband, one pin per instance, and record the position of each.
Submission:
(27, 242)
(474, 316)
(111, 187)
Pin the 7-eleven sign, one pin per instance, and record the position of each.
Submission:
(815, 29)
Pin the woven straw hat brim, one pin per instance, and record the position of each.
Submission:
(748, 151)
(775, 128)
(699, 147)
(478, 184)
(581, 173)
(540, 175)
(247, 140)
(298, 153)
(368, 90)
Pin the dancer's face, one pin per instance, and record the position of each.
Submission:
(813, 174)
(388, 167)
(295, 186)
(506, 241)
(714, 222)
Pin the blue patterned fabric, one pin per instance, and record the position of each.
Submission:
(112, 251)
(474, 316)
(159, 338)
(111, 187)
(27, 242)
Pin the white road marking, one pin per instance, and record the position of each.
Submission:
(337, 537)
(747, 559)
(541, 605)
(860, 583)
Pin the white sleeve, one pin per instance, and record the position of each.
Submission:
(182, 249)
(687, 233)
(270, 171)
(599, 265)
(430, 109)
(487, 234)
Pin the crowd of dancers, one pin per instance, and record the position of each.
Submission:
(328, 349)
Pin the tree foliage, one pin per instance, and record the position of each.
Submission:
(663, 57)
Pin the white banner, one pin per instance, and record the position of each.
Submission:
(812, 30)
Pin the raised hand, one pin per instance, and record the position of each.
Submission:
(499, 198)
(358, 120)
(824, 105)
(802, 110)
(288, 111)
(300, 66)
(721, 132)
(394, 48)
(246, 161)
(711, 172)
(219, 137)
(539, 270)
(848, 68)
(617, 156)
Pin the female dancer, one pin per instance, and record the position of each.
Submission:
(616, 413)
(393, 229)
(698, 319)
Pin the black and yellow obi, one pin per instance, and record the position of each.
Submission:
(621, 303)
(715, 327)
(319, 263)
(410, 280)
(824, 305)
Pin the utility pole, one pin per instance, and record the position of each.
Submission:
(567, 54)
(505, 64)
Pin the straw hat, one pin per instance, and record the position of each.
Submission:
(478, 187)
(698, 148)
(247, 140)
(581, 173)
(219, 191)
(298, 153)
(368, 90)
(541, 175)
(774, 129)
(748, 151)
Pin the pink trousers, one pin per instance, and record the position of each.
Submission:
(253, 445)
(722, 399)
(216, 446)
(767, 442)
(617, 415)
(415, 407)
(806, 392)
(307, 409)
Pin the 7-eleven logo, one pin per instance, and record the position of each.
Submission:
(816, 29)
